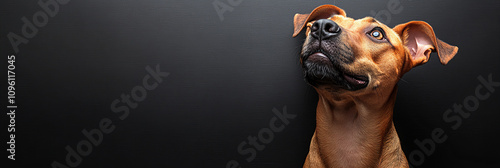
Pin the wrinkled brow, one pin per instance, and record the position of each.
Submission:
(372, 20)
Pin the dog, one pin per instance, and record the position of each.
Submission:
(355, 65)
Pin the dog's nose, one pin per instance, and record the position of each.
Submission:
(324, 29)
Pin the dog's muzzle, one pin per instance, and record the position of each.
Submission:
(325, 57)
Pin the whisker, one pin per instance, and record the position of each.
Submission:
(401, 79)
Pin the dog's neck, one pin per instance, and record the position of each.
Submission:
(355, 132)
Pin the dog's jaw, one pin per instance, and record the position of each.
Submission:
(323, 63)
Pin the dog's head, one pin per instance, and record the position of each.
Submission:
(344, 55)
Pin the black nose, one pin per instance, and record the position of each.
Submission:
(324, 28)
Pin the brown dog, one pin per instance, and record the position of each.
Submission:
(354, 65)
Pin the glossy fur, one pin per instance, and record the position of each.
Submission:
(354, 126)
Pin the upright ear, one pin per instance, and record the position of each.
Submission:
(321, 12)
(419, 38)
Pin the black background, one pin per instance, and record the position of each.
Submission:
(225, 78)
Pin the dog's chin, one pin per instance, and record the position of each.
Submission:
(320, 71)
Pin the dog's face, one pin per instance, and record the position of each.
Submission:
(347, 54)
(344, 55)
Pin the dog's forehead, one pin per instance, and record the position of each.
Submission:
(348, 22)
(342, 20)
(363, 25)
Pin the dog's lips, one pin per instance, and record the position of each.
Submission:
(349, 81)
(356, 81)
(319, 57)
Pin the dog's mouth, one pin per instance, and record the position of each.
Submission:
(319, 57)
(358, 81)
(321, 69)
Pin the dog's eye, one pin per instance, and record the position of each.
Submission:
(377, 34)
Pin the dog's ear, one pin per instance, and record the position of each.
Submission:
(420, 40)
(321, 12)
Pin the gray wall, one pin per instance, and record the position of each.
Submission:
(228, 78)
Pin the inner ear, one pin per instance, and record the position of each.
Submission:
(419, 43)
